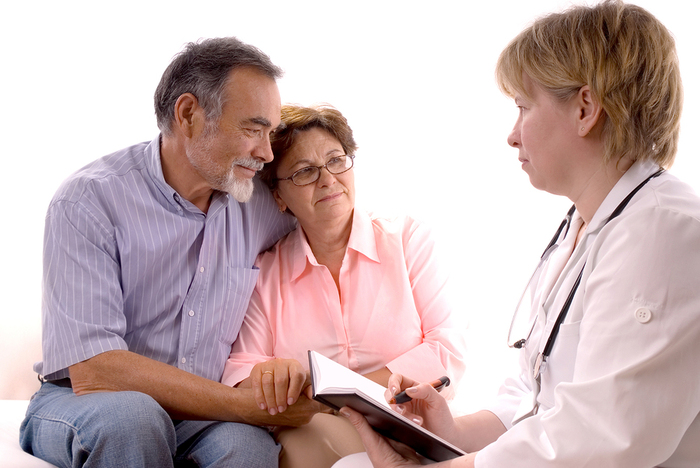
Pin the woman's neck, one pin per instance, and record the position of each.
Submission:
(328, 242)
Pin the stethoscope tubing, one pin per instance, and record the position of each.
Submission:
(542, 356)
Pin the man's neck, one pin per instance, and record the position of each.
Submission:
(181, 176)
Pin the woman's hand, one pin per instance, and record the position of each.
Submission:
(426, 408)
(278, 383)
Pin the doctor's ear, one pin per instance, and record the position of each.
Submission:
(589, 110)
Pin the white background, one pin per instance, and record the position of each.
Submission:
(415, 81)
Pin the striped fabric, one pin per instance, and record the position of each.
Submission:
(129, 264)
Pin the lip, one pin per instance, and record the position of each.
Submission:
(330, 197)
(244, 171)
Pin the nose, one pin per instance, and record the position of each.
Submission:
(514, 137)
(263, 151)
(325, 178)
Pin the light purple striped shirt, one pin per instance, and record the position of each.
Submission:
(129, 264)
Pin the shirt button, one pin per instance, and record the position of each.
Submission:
(643, 315)
(183, 360)
(191, 313)
(201, 269)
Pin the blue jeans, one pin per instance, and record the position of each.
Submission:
(130, 429)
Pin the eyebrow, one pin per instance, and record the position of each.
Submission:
(308, 162)
(260, 121)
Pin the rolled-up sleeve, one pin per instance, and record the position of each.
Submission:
(82, 303)
(442, 349)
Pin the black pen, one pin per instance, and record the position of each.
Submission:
(438, 385)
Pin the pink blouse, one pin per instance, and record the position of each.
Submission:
(392, 310)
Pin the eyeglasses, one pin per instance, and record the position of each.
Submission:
(310, 174)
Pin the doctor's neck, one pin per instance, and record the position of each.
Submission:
(596, 186)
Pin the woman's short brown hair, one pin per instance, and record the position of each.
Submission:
(627, 58)
(297, 119)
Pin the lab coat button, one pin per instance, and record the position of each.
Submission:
(643, 315)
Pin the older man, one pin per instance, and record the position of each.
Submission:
(148, 269)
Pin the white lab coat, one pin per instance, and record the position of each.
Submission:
(621, 387)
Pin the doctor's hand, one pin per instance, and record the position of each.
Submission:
(427, 407)
(383, 453)
(277, 384)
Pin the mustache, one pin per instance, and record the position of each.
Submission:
(250, 163)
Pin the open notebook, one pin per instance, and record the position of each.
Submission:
(336, 386)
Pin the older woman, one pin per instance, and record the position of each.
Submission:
(609, 357)
(363, 290)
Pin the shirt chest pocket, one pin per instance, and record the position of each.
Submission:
(240, 283)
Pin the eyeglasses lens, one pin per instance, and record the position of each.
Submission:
(310, 174)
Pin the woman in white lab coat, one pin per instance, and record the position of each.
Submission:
(611, 379)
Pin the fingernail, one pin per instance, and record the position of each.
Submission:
(411, 390)
(344, 412)
(261, 406)
(273, 411)
(401, 409)
(281, 409)
(290, 401)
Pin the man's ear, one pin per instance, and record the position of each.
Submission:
(590, 111)
(189, 115)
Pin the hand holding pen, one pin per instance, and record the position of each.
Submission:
(438, 385)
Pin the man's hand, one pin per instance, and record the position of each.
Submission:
(181, 394)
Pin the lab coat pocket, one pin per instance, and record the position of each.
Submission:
(241, 282)
(561, 362)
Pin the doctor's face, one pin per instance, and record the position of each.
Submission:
(543, 134)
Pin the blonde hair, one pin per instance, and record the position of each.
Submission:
(627, 58)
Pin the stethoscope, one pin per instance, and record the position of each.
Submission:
(544, 354)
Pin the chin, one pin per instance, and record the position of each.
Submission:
(241, 190)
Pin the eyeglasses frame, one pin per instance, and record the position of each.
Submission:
(325, 166)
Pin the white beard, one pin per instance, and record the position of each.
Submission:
(216, 175)
(240, 189)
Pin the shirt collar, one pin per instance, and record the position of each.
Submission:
(362, 236)
(155, 171)
(361, 240)
(629, 180)
(154, 166)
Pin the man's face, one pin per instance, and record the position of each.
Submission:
(229, 151)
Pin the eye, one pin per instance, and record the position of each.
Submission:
(305, 174)
(253, 131)
(338, 160)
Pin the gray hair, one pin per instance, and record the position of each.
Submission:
(203, 69)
